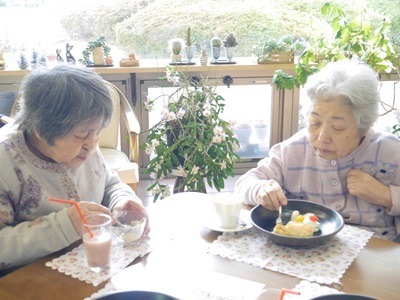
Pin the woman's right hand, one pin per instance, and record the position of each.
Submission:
(87, 208)
(271, 195)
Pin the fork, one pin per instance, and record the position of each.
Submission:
(279, 219)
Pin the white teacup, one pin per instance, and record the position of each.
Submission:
(227, 209)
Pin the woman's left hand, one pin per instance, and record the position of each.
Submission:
(363, 185)
(139, 211)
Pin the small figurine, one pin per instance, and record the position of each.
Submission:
(42, 60)
(70, 58)
(23, 62)
(59, 58)
(129, 62)
(2, 62)
(34, 60)
(203, 57)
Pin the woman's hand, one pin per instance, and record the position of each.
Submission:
(87, 208)
(139, 211)
(366, 187)
(271, 195)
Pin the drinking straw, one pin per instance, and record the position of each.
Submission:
(78, 209)
(284, 291)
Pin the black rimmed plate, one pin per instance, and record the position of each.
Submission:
(136, 295)
(343, 297)
(330, 220)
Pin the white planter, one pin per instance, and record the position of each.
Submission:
(229, 53)
(243, 135)
(190, 51)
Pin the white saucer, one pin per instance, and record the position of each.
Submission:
(244, 219)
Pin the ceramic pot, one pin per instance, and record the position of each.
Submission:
(190, 51)
(229, 53)
(216, 53)
(98, 56)
(176, 57)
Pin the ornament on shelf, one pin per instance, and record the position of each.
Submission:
(42, 60)
(2, 62)
(129, 62)
(59, 58)
(23, 62)
(203, 56)
(70, 58)
(34, 60)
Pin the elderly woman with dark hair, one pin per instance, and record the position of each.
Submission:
(339, 160)
(51, 151)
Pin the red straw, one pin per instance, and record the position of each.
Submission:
(78, 209)
(284, 291)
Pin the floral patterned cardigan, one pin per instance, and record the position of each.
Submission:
(31, 226)
(303, 175)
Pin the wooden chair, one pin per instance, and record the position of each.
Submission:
(122, 133)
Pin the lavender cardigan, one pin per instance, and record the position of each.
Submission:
(303, 175)
(30, 225)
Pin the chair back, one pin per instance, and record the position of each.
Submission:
(109, 136)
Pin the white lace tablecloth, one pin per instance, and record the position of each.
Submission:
(324, 264)
(74, 262)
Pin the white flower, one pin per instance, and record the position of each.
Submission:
(223, 165)
(195, 170)
(149, 149)
(153, 175)
(155, 143)
(156, 190)
(166, 192)
(206, 112)
(235, 147)
(216, 139)
(181, 112)
(181, 171)
(218, 130)
(170, 116)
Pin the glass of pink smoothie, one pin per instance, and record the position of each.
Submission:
(98, 246)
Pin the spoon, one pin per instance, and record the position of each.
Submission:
(279, 220)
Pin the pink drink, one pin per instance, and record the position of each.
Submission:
(98, 249)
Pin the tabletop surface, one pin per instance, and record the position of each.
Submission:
(181, 260)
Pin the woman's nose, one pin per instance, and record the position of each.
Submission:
(90, 144)
(324, 135)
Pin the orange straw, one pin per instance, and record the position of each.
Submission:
(78, 209)
(284, 291)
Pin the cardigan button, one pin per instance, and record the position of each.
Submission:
(334, 182)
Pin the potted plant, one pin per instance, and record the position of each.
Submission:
(243, 132)
(97, 49)
(190, 48)
(176, 45)
(216, 44)
(271, 50)
(191, 140)
(230, 43)
(260, 128)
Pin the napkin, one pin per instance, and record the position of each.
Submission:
(74, 263)
(324, 264)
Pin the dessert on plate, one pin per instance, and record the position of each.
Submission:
(299, 225)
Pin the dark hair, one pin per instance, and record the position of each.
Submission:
(58, 99)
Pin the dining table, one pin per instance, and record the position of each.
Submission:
(180, 264)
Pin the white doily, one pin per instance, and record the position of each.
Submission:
(74, 262)
(324, 264)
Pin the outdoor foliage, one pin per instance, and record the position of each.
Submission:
(190, 138)
(349, 38)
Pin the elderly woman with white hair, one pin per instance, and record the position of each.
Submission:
(339, 160)
(51, 151)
